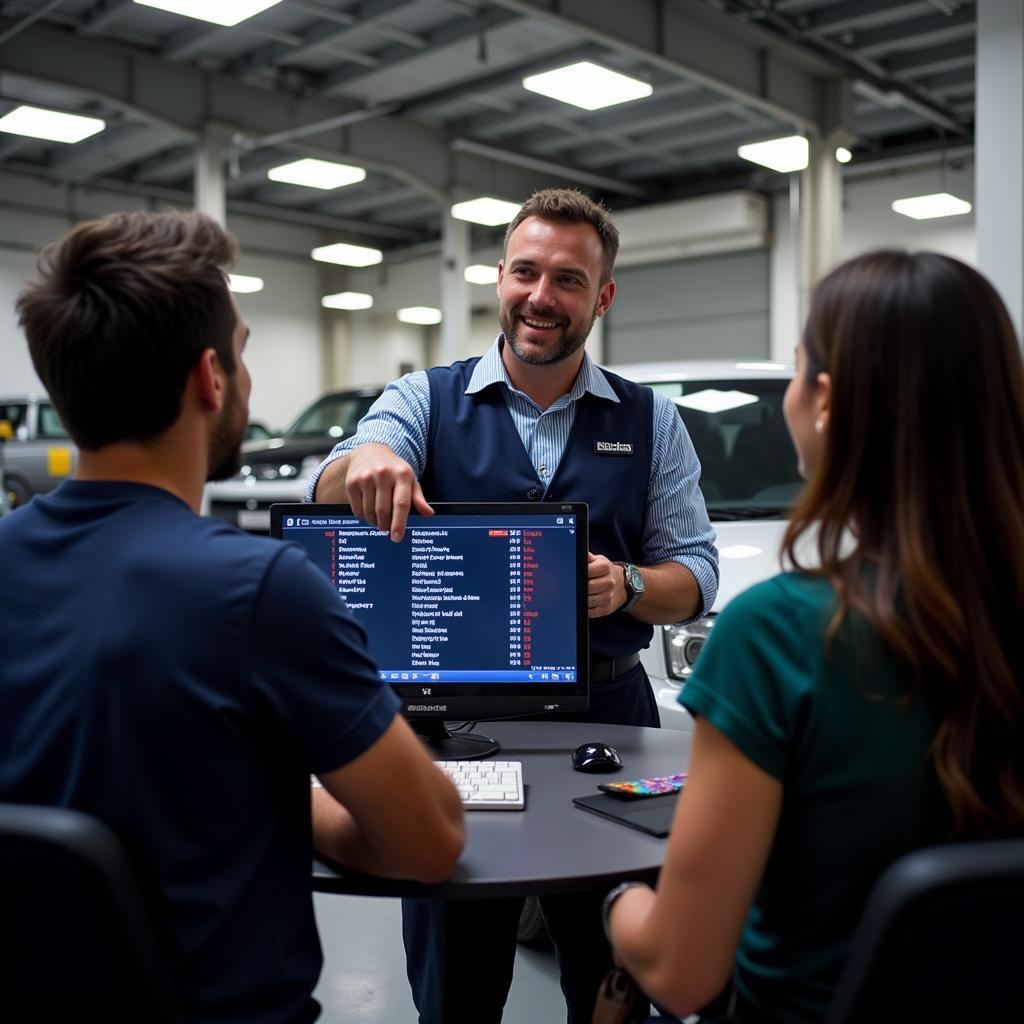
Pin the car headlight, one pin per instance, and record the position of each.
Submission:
(683, 643)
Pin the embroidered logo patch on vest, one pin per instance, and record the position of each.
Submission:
(613, 448)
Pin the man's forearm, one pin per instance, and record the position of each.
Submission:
(331, 485)
(671, 594)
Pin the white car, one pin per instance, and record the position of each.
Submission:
(733, 414)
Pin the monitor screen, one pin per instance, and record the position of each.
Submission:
(479, 613)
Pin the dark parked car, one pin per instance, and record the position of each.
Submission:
(278, 469)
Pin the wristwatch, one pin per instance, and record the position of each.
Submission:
(609, 900)
(634, 584)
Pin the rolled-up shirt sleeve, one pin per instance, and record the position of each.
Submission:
(678, 528)
(399, 419)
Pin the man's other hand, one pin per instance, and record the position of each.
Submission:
(606, 586)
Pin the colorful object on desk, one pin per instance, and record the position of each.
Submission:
(637, 789)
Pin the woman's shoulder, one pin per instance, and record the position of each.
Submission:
(786, 593)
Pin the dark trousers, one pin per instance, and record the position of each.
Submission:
(460, 953)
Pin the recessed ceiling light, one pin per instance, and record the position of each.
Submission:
(419, 315)
(347, 300)
(243, 285)
(481, 273)
(219, 12)
(939, 204)
(347, 255)
(712, 400)
(485, 210)
(784, 155)
(587, 85)
(52, 125)
(843, 155)
(317, 173)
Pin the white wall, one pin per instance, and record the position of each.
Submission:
(285, 349)
(870, 223)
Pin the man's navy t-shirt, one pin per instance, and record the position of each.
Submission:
(180, 680)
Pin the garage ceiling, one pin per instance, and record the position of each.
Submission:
(427, 95)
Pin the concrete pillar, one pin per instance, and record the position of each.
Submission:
(999, 145)
(209, 176)
(454, 289)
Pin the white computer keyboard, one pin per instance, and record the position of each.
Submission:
(487, 785)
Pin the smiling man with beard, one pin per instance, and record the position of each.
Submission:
(535, 419)
(173, 676)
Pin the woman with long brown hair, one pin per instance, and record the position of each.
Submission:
(869, 701)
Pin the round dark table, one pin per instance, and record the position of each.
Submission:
(552, 846)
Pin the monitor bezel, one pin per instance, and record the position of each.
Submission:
(476, 707)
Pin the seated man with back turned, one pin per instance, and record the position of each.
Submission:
(173, 676)
(534, 418)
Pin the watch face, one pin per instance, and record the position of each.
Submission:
(636, 579)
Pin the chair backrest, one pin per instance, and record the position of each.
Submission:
(78, 942)
(940, 940)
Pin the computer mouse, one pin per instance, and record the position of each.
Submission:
(596, 757)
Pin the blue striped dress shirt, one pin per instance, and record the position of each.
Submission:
(678, 528)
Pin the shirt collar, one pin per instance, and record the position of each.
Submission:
(491, 370)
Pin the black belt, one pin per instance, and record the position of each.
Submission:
(603, 669)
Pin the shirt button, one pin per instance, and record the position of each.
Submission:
(533, 493)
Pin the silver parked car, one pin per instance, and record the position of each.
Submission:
(39, 454)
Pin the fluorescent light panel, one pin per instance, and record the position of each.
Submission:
(419, 315)
(939, 204)
(711, 400)
(243, 285)
(51, 125)
(739, 551)
(762, 365)
(218, 12)
(347, 300)
(485, 210)
(346, 255)
(312, 173)
(587, 85)
(783, 155)
(481, 273)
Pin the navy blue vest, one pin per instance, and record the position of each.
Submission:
(475, 453)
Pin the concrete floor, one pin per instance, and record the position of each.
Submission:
(363, 980)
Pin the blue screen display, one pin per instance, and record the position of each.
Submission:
(463, 598)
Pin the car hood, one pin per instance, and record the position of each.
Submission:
(286, 449)
(748, 553)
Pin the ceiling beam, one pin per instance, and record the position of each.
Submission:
(692, 39)
(184, 100)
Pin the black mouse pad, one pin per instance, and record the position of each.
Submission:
(652, 815)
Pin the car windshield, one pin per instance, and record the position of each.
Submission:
(748, 464)
(332, 416)
(49, 422)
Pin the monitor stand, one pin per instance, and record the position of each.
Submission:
(448, 746)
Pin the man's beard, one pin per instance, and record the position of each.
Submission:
(570, 343)
(225, 454)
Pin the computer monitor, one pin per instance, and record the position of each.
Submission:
(479, 613)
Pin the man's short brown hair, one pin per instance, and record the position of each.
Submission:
(570, 206)
(119, 314)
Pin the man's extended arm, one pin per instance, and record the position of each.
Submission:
(376, 470)
(364, 820)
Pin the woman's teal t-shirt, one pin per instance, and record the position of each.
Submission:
(859, 788)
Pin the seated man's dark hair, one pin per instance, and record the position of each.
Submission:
(119, 314)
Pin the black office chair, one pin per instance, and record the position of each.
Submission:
(78, 945)
(940, 940)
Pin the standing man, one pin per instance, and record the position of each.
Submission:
(173, 676)
(534, 419)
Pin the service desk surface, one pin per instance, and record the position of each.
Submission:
(551, 846)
